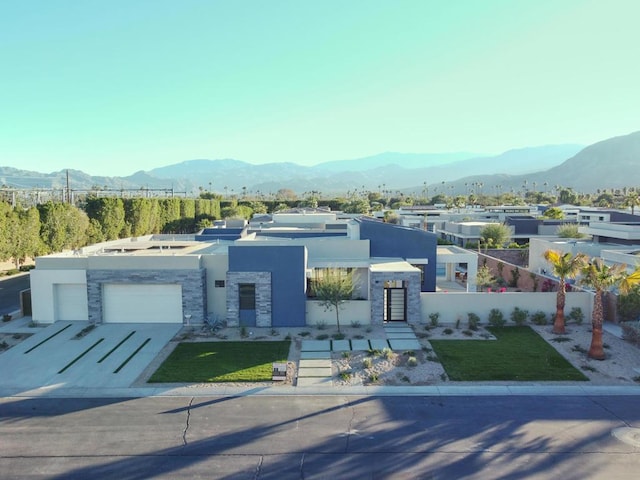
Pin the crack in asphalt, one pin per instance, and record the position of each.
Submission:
(186, 427)
(353, 416)
(259, 468)
(302, 467)
(609, 411)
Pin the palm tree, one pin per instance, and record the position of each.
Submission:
(601, 278)
(563, 266)
(632, 199)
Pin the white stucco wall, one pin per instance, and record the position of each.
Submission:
(216, 267)
(352, 311)
(454, 305)
(43, 284)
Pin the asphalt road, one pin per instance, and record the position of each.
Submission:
(333, 437)
(10, 289)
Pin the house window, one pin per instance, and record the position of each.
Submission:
(247, 295)
(219, 284)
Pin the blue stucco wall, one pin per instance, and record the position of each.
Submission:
(288, 281)
(389, 240)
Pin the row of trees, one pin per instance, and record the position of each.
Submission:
(593, 273)
(55, 226)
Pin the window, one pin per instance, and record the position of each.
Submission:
(219, 284)
(247, 294)
(319, 274)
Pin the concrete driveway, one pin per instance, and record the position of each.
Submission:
(109, 356)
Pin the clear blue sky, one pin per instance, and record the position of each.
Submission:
(113, 87)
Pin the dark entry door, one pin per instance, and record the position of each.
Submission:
(395, 304)
(247, 299)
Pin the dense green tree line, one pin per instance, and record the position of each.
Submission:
(55, 226)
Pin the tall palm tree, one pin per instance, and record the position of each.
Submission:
(563, 266)
(632, 199)
(601, 278)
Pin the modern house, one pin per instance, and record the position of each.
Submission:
(254, 275)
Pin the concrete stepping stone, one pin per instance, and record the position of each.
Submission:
(398, 345)
(401, 335)
(314, 362)
(341, 345)
(360, 344)
(314, 382)
(314, 372)
(398, 329)
(316, 345)
(378, 344)
(312, 355)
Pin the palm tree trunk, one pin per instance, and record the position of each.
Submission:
(558, 324)
(596, 350)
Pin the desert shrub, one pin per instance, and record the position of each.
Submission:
(434, 318)
(412, 362)
(473, 321)
(458, 320)
(338, 336)
(447, 331)
(387, 353)
(539, 318)
(346, 354)
(631, 332)
(629, 305)
(355, 324)
(322, 336)
(496, 318)
(576, 315)
(519, 316)
(367, 362)
(515, 276)
(321, 325)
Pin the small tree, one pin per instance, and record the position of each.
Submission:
(484, 278)
(495, 235)
(569, 230)
(333, 289)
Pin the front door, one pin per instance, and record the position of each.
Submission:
(247, 299)
(395, 304)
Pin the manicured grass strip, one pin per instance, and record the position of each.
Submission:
(519, 354)
(132, 355)
(116, 347)
(47, 339)
(81, 355)
(221, 362)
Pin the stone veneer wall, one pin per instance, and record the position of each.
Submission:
(262, 281)
(193, 282)
(377, 295)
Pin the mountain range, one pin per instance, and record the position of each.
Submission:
(611, 163)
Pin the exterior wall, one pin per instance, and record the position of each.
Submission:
(376, 295)
(351, 311)
(387, 240)
(43, 284)
(453, 305)
(194, 292)
(287, 265)
(262, 281)
(216, 267)
(160, 261)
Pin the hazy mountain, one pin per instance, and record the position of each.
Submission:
(405, 160)
(611, 163)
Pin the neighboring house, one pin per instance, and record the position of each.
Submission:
(256, 275)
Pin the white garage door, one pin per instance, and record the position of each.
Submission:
(70, 302)
(135, 303)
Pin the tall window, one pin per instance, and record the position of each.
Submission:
(247, 294)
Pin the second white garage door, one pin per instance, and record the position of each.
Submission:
(136, 303)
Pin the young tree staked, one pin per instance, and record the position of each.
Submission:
(333, 289)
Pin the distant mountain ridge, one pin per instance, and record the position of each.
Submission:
(610, 163)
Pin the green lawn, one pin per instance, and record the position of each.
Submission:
(221, 362)
(519, 354)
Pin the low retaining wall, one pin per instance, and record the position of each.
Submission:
(352, 311)
(454, 305)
